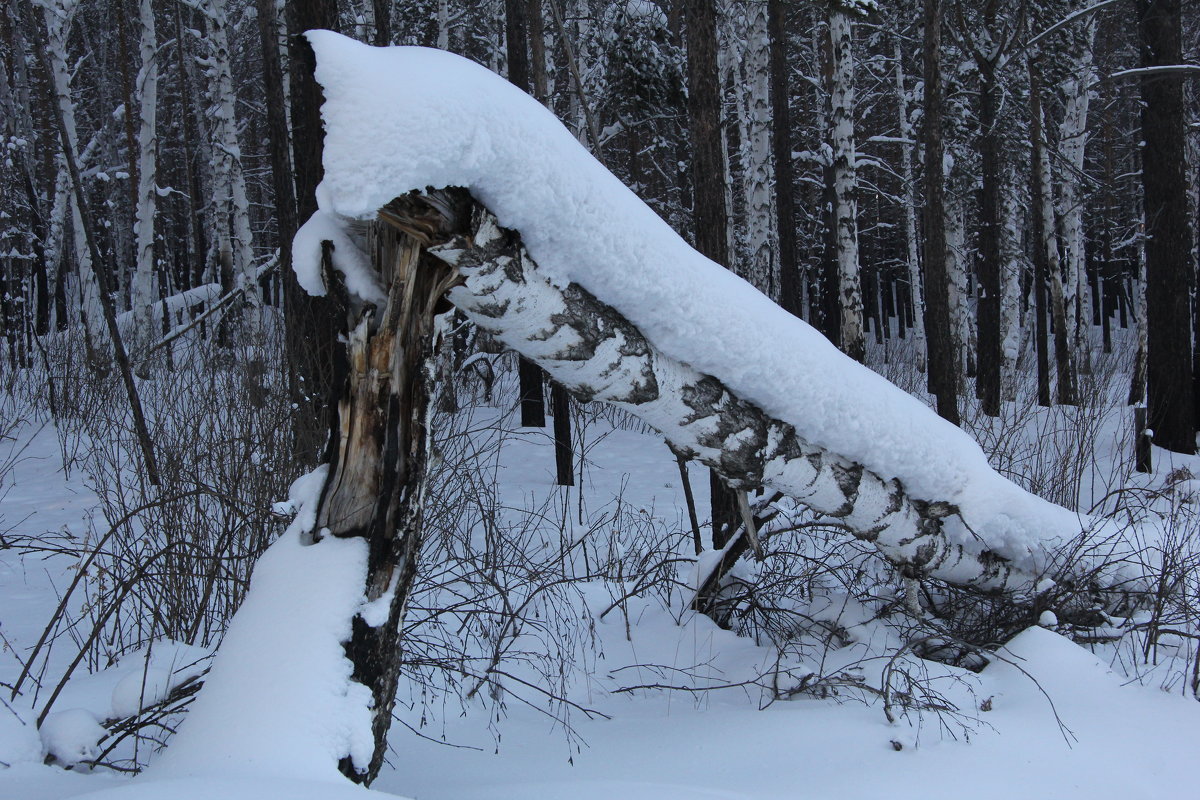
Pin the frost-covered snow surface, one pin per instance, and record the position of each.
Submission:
(405, 118)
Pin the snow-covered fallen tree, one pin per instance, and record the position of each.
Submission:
(444, 181)
(613, 303)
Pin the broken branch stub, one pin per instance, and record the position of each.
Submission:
(377, 474)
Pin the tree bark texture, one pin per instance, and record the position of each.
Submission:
(376, 479)
(599, 355)
(529, 376)
(312, 322)
(943, 376)
(791, 281)
(852, 338)
(710, 215)
(1168, 239)
(989, 355)
(1040, 258)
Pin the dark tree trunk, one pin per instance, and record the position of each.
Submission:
(990, 356)
(277, 133)
(1041, 267)
(312, 322)
(790, 279)
(943, 371)
(1169, 383)
(532, 393)
(383, 22)
(709, 214)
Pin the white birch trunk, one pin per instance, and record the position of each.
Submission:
(960, 313)
(756, 155)
(1065, 362)
(443, 23)
(910, 212)
(147, 82)
(1011, 265)
(1072, 145)
(59, 14)
(845, 179)
(231, 209)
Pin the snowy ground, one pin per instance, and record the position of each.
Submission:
(1117, 739)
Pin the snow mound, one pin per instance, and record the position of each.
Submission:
(71, 735)
(279, 700)
(405, 118)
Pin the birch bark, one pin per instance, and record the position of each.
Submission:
(147, 84)
(756, 155)
(913, 265)
(231, 208)
(59, 15)
(1072, 145)
(845, 182)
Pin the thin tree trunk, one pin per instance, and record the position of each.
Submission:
(532, 392)
(1047, 242)
(1072, 146)
(989, 355)
(791, 279)
(943, 376)
(1168, 232)
(143, 293)
(65, 125)
(845, 183)
(757, 176)
(912, 260)
(709, 212)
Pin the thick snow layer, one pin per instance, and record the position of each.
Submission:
(346, 257)
(405, 118)
(279, 701)
(71, 736)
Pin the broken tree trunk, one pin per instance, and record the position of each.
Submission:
(599, 355)
(376, 480)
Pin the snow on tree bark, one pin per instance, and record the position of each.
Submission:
(58, 15)
(845, 181)
(1067, 393)
(231, 208)
(913, 262)
(598, 354)
(756, 155)
(376, 481)
(143, 293)
(1072, 145)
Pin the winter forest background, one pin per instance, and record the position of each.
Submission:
(993, 204)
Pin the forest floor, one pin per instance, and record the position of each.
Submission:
(1047, 719)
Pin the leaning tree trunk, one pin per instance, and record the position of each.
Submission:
(599, 355)
(376, 478)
